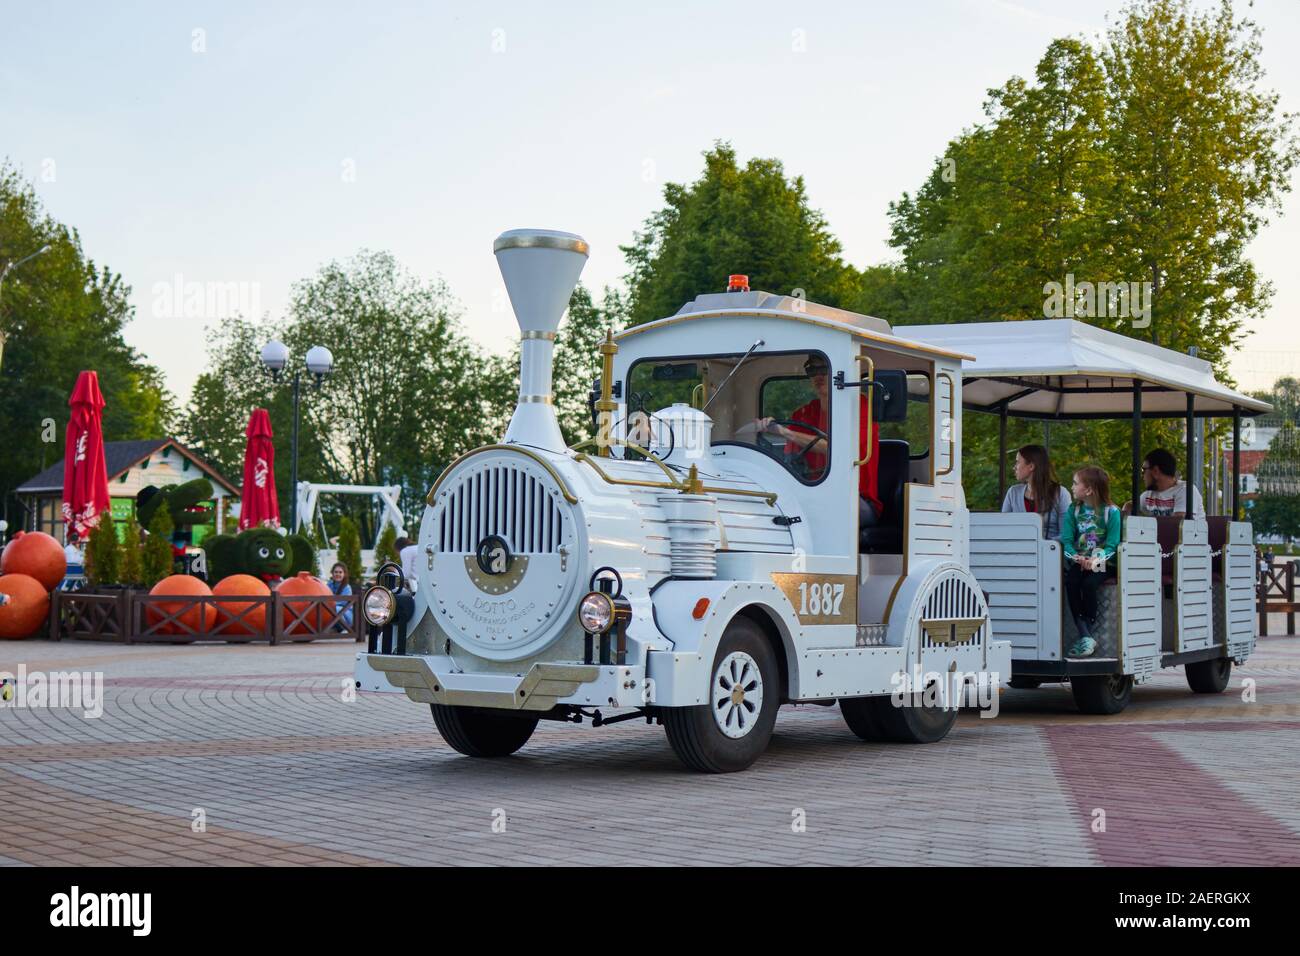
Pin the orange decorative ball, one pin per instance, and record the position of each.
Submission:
(26, 605)
(315, 616)
(37, 555)
(196, 617)
(228, 620)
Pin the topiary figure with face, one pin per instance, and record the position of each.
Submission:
(262, 552)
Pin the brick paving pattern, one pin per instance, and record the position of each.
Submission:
(285, 771)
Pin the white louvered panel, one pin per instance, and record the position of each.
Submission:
(1139, 591)
(500, 499)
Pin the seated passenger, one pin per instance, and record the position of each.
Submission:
(1165, 494)
(1089, 537)
(870, 509)
(1038, 491)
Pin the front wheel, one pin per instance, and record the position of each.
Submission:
(477, 733)
(733, 729)
(1209, 677)
(1104, 694)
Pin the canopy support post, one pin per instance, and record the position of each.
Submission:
(1192, 477)
(1236, 460)
(1002, 453)
(1137, 447)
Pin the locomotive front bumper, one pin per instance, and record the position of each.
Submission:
(434, 679)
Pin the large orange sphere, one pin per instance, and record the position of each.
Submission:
(26, 608)
(304, 584)
(37, 555)
(240, 585)
(196, 617)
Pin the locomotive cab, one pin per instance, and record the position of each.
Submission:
(706, 557)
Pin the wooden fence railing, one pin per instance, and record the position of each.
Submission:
(1276, 595)
(130, 617)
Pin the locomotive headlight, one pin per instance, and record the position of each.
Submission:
(378, 606)
(596, 613)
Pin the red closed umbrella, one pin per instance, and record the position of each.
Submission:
(259, 505)
(85, 476)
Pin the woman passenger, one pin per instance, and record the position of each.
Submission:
(1089, 537)
(338, 584)
(1038, 491)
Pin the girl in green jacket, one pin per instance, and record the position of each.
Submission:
(1090, 534)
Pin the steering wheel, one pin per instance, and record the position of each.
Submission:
(802, 453)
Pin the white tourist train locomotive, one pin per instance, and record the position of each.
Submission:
(702, 562)
(707, 557)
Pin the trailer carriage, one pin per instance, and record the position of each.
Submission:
(690, 566)
(1184, 594)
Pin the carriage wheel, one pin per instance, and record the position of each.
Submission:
(880, 718)
(1104, 694)
(1209, 677)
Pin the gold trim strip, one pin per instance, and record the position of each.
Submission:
(535, 334)
(673, 483)
(537, 399)
(569, 496)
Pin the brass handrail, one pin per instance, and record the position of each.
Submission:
(871, 397)
(673, 484)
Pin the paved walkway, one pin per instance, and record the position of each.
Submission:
(252, 755)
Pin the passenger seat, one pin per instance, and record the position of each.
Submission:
(891, 476)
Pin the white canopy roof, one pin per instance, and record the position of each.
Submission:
(1051, 368)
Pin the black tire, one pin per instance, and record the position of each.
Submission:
(879, 718)
(695, 733)
(1209, 677)
(1102, 694)
(477, 733)
(1024, 683)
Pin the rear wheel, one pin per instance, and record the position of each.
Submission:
(733, 729)
(1024, 683)
(477, 733)
(1209, 677)
(1102, 694)
(881, 718)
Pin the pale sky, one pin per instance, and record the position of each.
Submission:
(220, 143)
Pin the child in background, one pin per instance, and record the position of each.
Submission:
(1090, 534)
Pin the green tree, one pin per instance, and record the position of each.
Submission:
(385, 547)
(61, 313)
(1011, 205)
(577, 357)
(156, 553)
(103, 553)
(1201, 155)
(350, 548)
(132, 567)
(751, 220)
(408, 394)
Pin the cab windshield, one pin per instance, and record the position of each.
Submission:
(775, 403)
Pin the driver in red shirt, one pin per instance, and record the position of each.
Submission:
(813, 414)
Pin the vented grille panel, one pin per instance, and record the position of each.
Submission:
(953, 599)
(502, 500)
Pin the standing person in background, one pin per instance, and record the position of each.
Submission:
(407, 550)
(1038, 491)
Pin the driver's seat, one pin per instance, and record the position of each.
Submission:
(891, 477)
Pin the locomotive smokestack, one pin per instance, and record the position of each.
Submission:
(540, 268)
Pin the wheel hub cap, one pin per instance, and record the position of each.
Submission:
(737, 694)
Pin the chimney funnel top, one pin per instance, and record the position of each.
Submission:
(540, 239)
